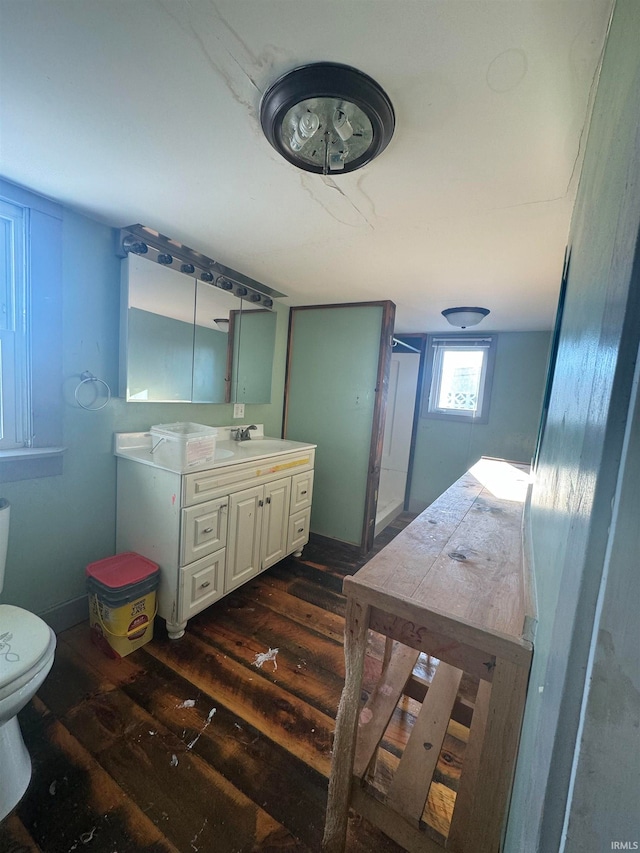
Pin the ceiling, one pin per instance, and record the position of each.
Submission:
(148, 111)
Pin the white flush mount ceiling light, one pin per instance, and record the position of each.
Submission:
(463, 317)
(327, 118)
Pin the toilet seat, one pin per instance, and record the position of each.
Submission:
(25, 645)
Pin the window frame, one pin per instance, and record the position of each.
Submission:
(40, 454)
(436, 346)
(14, 336)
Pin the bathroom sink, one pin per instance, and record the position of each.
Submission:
(221, 453)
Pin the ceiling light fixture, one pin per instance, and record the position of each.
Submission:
(221, 324)
(327, 118)
(463, 317)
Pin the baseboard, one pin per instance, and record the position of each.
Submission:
(67, 615)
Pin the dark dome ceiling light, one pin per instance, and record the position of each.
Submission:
(327, 118)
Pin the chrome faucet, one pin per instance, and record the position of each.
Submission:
(242, 434)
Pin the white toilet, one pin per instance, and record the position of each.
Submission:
(27, 647)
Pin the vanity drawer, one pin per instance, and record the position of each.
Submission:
(201, 584)
(298, 530)
(204, 485)
(301, 491)
(204, 530)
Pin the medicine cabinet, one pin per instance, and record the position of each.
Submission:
(184, 340)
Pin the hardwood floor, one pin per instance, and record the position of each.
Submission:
(194, 745)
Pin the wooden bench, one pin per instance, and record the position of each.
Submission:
(453, 585)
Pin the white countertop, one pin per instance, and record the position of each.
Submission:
(137, 447)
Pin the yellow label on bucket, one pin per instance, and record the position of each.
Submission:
(124, 628)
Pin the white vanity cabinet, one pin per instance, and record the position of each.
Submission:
(258, 525)
(212, 530)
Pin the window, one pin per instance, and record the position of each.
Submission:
(30, 334)
(458, 377)
(13, 331)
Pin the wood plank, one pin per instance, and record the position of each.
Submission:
(416, 688)
(438, 810)
(481, 566)
(67, 684)
(460, 836)
(313, 574)
(393, 825)
(14, 837)
(492, 643)
(462, 557)
(311, 670)
(256, 765)
(460, 655)
(446, 775)
(439, 807)
(498, 755)
(264, 591)
(356, 629)
(410, 786)
(96, 809)
(149, 763)
(298, 727)
(108, 671)
(374, 717)
(400, 568)
(310, 591)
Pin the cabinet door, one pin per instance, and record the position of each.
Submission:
(204, 530)
(201, 583)
(243, 542)
(301, 490)
(298, 530)
(275, 521)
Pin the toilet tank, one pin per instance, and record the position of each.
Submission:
(4, 537)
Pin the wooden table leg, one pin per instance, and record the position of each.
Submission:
(495, 763)
(355, 646)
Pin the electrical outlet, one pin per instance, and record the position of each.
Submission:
(238, 410)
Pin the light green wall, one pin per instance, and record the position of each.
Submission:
(576, 489)
(332, 387)
(59, 524)
(445, 449)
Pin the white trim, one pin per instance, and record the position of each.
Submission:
(30, 453)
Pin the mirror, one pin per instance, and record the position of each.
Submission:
(254, 348)
(212, 345)
(182, 340)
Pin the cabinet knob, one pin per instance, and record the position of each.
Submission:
(268, 500)
(301, 530)
(205, 584)
(208, 530)
(304, 493)
(260, 503)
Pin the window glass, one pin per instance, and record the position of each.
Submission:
(458, 377)
(13, 339)
(30, 335)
